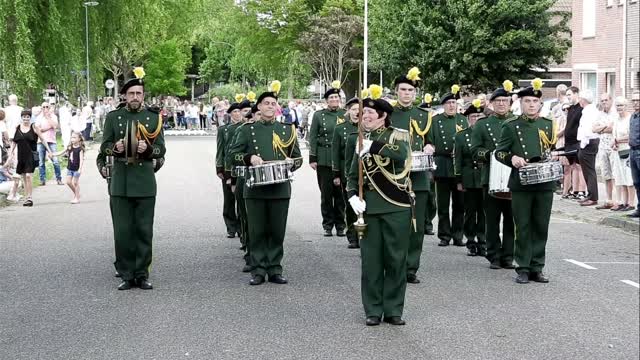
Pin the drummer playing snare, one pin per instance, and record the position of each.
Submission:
(522, 140)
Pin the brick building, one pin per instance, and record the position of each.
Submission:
(604, 53)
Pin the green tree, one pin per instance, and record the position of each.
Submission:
(165, 68)
(476, 43)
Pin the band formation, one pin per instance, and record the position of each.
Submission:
(384, 170)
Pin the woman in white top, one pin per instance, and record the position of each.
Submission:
(620, 167)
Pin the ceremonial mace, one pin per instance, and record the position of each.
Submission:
(360, 226)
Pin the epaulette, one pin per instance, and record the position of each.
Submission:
(421, 109)
(546, 118)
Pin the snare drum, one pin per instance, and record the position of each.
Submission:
(239, 171)
(499, 174)
(542, 172)
(275, 172)
(421, 162)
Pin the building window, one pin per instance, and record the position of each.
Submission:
(610, 3)
(589, 80)
(635, 78)
(611, 84)
(588, 18)
(632, 63)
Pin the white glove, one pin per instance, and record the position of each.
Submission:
(366, 146)
(358, 206)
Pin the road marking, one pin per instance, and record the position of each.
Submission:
(581, 264)
(632, 283)
(612, 262)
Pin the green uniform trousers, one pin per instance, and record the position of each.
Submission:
(432, 207)
(498, 250)
(229, 209)
(350, 215)
(531, 214)
(474, 220)
(384, 263)
(266, 234)
(242, 218)
(133, 234)
(446, 192)
(331, 200)
(417, 235)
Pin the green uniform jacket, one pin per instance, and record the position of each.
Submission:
(261, 138)
(321, 135)
(484, 140)
(339, 166)
(221, 148)
(137, 179)
(468, 170)
(390, 150)
(520, 136)
(230, 136)
(442, 135)
(418, 123)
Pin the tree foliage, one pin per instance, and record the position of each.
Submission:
(165, 68)
(477, 43)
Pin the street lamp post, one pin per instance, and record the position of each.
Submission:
(86, 23)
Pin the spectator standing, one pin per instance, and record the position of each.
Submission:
(12, 115)
(634, 145)
(4, 138)
(48, 123)
(620, 162)
(98, 114)
(574, 113)
(604, 160)
(589, 144)
(87, 116)
(65, 118)
(194, 114)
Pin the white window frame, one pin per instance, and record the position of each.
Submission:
(589, 18)
(583, 82)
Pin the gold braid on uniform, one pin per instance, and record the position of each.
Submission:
(395, 135)
(144, 133)
(459, 128)
(416, 127)
(545, 143)
(279, 145)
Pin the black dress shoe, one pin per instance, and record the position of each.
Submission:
(277, 279)
(247, 268)
(231, 234)
(495, 265)
(522, 278)
(508, 265)
(635, 214)
(472, 252)
(394, 320)
(459, 242)
(429, 232)
(443, 243)
(117, 274)
(412, 279)
(144, 284)
(353, 244)
(327, 232)
(256, 280)
(373, 321)
(340, 233)
(126, 285)
(243, 248)
(538, 277)
(481, 252)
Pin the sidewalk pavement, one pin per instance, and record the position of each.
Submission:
(589, 214)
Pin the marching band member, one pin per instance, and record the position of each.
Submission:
(320, 139)
(417, 122)
(524, 140)
(267, 206)
(442, 137)
(468, 176)
(484, 141)
(386, 158)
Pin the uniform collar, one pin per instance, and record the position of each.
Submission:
(142, 107)
(267, 122)
(404, 108)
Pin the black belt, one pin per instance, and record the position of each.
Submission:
(124, 160)
(635, 147)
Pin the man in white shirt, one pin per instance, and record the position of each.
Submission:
(589, 143)
(12, 115)
(87, 116)
(65, 123)
(605, 158)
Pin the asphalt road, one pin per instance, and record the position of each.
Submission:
(58, 297)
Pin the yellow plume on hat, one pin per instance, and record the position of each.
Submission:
(507, 85)
(428, 98)
(413, 74)
(275, 86)
(364, 93)
(251, 96)
(477, 103)
(537, 84)
(239, 97)
(138, 72)
(455, 89)
(336, 84)
(375, 91)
